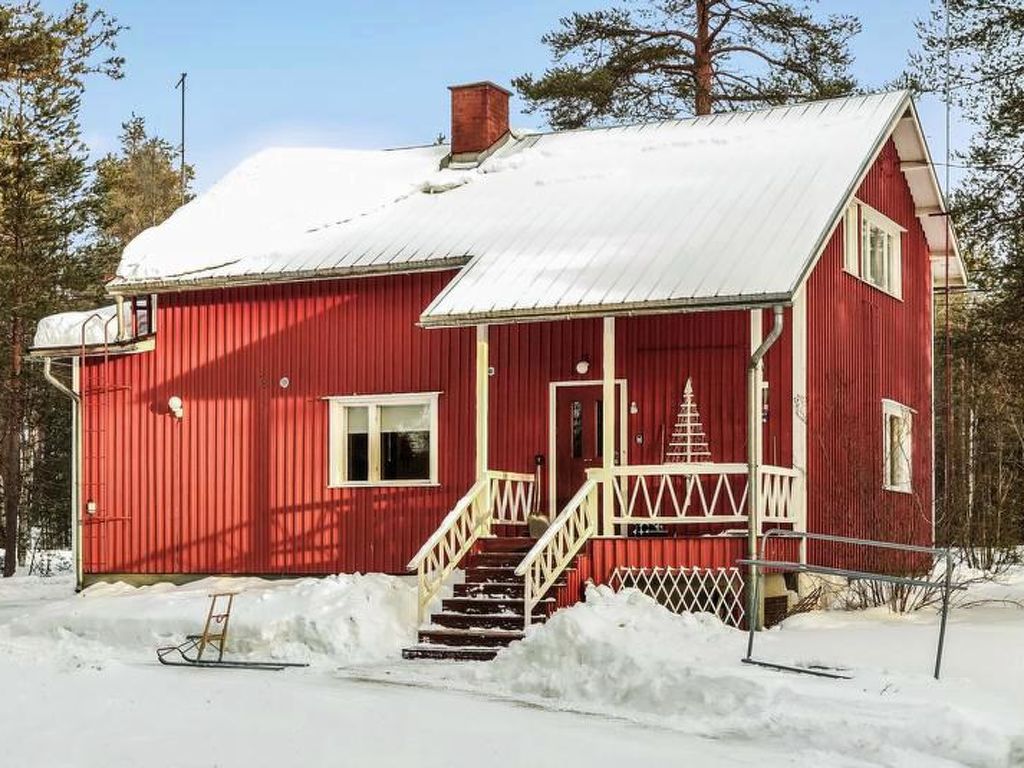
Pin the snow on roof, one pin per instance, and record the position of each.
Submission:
(713, 211)
(73, 329)
(265, 205)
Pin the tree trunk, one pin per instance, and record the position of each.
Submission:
(12, 453)
(702, 60)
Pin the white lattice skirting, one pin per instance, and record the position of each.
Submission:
(688, 590)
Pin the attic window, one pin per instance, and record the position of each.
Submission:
(873, 248)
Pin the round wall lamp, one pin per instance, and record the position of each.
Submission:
(176, 406)
(583, 366)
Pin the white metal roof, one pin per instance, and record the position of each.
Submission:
(720, 210)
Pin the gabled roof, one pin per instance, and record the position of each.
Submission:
(724, 210)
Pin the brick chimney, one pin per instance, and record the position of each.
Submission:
(479, 116)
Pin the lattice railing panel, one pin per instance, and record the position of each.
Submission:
(555, 550)
(511, 497)
(688, 590)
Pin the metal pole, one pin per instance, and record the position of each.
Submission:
(947, 583)
(181, 84)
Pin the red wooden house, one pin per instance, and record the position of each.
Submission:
(658, 338)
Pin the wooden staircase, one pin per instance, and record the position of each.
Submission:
(485, 613)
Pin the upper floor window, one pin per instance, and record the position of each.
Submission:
(872, 248)
(897, 433)
(383, 439)
(143, 315)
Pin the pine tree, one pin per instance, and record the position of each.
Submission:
(980, 450)
(136, 188)
(655, 59)
(688, 442)
(43, 205)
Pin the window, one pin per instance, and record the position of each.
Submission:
(143, 315)
(872, 248)
(383, 439)
(897, 433)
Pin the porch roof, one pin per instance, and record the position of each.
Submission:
(724, 210)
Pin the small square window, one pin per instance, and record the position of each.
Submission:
(897, 444)
(383, 440)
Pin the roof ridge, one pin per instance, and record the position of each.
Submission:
(719, 115)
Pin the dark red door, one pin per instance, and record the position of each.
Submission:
(579, 419)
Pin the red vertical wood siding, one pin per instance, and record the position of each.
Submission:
(239, 485)
(864, 345)
(655, 355)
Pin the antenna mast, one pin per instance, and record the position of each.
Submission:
(181, 84)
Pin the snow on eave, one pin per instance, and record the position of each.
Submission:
(179, 284)
(546, 314)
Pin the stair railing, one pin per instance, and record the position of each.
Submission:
(555, 550)
(498, 497)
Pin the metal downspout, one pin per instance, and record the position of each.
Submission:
(76, 460)
(754, 459)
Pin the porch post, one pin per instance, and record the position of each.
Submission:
(799, 420)
(608, 403)
(482, 365)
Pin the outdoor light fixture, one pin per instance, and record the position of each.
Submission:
(284, 383)
(583, 366)
(176, 406)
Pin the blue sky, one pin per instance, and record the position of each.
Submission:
(363, 74)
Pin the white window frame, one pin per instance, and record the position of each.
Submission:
(337, 448)
(858, 217)
(891, 409)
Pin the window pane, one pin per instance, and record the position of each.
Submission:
(576, 428)
(405, 442)
(357, 443)
(404, 418)
(877, 268)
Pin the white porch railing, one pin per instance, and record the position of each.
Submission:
(704, 492)
(669, 494)
(511, 497)
(499, 497)
(554, 550)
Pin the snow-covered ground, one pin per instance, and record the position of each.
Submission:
(614, 681)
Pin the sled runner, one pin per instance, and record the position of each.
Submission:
(214, 636)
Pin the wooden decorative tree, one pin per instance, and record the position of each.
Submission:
(688, 443)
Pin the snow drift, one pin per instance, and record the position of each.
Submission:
(345, 619)
(623, 654)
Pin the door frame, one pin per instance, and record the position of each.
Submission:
(553, 438)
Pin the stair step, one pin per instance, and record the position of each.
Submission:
(495, 559)
(478, 638)
(449, 652)
(495, 589)
(485, 574)
(481, 620)
(498, 575)
(492, 605)
(507, 544)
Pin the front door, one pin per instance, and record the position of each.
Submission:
(579, 419)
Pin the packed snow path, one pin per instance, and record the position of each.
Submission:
(635, 685)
